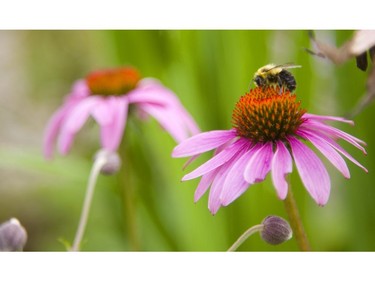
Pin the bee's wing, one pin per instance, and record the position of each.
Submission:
(285, 66)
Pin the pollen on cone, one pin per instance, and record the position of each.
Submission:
(266, 114)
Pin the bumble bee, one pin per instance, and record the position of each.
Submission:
(276, 75)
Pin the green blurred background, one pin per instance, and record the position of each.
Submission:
(145, 207)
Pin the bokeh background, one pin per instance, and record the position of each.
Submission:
(145, 207)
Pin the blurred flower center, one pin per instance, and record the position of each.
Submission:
(266, 114)
(113, 82)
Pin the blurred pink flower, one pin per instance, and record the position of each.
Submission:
(106, 96)
(268, 133)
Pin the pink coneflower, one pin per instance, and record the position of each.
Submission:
(106, 96)
(269, 130)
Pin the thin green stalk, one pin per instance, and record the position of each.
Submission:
(95, 170)
(243, 237)
(295, 222)
(128, 197)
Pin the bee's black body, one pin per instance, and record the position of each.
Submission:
(271, 75)
(287, 78)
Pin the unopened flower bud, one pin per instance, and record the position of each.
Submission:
(112, 162)
(12, 236)
(276, 230)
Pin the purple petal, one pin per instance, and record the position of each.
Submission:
(79, 114)
(235, 184)
(74, 122)
(103, 112)
(188, 120)
(259, 164)
(156, 100)
(169, 119)
(58, 118)
(79, 90)
(52, 130)
(216, 161)
(312, 171)
(331, 154)
(152, 91)
(204, 184)
(203, 142)
(282, 164)
(217, 151)
(111, 134)
(151, 94)
(334, 132)
(65, 142)
(214, 201)
(337, 147)
(190, 160)
(327, 118)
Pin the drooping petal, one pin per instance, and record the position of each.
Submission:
(65, 142)
(216, 161)
(74, 122)
(79, 114)
(152, 91)
(259, 164)
(235, 183)
(80, 90)
(337, 147)
(331, 154)
(77, 95)
(52, 130)
(190, 160)
(312, 171)
(327, 118)
(170, 119)
(214, 201)
(103, 112)
(111, 134)
(188, 120)
(217, 151)
(282, 164)
(204, 184)
(202, 142)
(334, 132)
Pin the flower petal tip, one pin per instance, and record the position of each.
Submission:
(185, 178)
(282, 196)
(213, 211)
(174, 154)
(322, 202)
(48, 155)
(223, 202)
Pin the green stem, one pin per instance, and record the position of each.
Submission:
(295, 222)
(243, 237)
(130, 213)
(95, 170)
(129, 200)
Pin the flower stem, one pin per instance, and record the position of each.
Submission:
(95, 170)
(243, 237)
(128, 183)
(295, 222)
